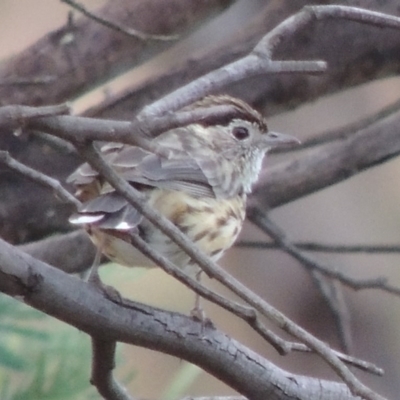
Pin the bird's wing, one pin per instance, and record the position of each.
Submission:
(109, 210)
(177, 171)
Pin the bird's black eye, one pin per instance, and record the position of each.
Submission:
(240, 132)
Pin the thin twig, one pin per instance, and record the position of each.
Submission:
(332, 292)
(39, 178)
(325, 248)
(116, 27)
(245, 313)
(350, 360)
(259, 61)
(212, 269)
(14, 116)
(136, 132)
(60, 144)
(259, 218)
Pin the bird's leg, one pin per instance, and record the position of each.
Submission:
(93, 278)
(197, 312)
(92, 275)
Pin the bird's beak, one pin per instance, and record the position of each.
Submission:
(275, 139)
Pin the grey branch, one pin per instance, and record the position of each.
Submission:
(39, 178)
(69, 299)
(259, 218)
(213, 270)
(326, 247)
(247, 314)
(103, 363)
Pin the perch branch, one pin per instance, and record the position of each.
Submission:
(212, 269)
(245, 313)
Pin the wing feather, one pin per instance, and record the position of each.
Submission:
(180, 172)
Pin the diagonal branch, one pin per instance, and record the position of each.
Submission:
(326, 248)
(259, 218)
(245, 313)
(329, 164)
(260, 58)
(79, 304)
(212, 269)
(39, 178)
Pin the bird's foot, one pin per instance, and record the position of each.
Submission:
(199, 315)
(108, 291)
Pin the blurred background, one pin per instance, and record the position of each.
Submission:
(362, 210)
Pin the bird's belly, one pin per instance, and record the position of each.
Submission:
(213, 225)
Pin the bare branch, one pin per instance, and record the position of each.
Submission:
(332, 293)
(260, 59)
(103, 363)
(253, 64)
(329, 164)
(259, 218)
(309, 14)
(39, 178)
(65, 253)
(13, 117)
(212, 269)
(342, 132)
(79, 304)
(326, 248)
(72, 252)
(136, 132)
(79, 63)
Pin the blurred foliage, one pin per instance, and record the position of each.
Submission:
(40, 357)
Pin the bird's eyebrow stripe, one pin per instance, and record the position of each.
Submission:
(226, 119)
(239, 110)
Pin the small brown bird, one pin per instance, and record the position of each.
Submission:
(199, 179)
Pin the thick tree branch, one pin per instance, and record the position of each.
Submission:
(245, 313)
(212, 269)
(72, 252)
(350, 63)
(330, 164)
(262, 306)
(84, 53)
(77, 303)
(341, 58)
